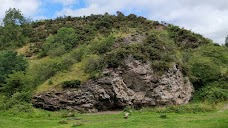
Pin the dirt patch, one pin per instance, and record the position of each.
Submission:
(224, 108)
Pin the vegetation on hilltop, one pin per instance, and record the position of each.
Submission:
(87, 45)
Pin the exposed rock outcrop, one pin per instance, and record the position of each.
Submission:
(132, 84)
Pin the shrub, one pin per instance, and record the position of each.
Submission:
(203, 70)
(18, 101)
(103, 46)
(185, 38)
(16, 82)
(213, 92)
(67, 37)
(71, 84)
(160, 66)
(57, 50)
(113, 58)
(93, 64)
(77, 54)
(45, 69)
(62, 42)
(189, 108)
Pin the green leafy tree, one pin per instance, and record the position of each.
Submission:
(66, 37)
(62, 42)
(16, 82)
(12, 34)
(10, 62)
(13, 16)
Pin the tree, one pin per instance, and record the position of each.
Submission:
(14, 17)
(10, 62)
(62, 42)
(67, 37)
(12, 34)
(226, 41)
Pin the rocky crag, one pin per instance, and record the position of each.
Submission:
(132, 84)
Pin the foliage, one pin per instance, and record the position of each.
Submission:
(213, 92)
(113, 58)
(17, 82)
(46, 69)
(211, 119)
(67, 37)
(15, 30)
(93, 64)
(226, 41)
(189, 108)
(58, 44)
(208, 73)
(10, 62)
(91, 43)
(13, 16)
(17, 100)
(71, 84)
(11, 36)
(185, 38)
(102, 46)
(203, 70)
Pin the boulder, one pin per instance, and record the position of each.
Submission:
(132, 84)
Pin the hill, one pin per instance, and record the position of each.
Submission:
(108, 62)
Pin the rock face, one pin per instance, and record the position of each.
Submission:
(132, 84)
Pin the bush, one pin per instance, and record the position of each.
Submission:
(18, 101)
(113, 58)
(57, 50)
(67, 37)
(93, 64)
(189, 108)
(21, 108)
(103, 46)
(203, 70)
(11, 62)
(77, 54)
(185, 38)
(47, 68)
(58, 44)
(16, 82)
(11, 36)
(71, 84)
(160, 66)
(213, 92)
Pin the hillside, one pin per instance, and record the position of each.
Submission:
(59, 60)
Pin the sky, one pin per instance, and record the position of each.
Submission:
(206, 17)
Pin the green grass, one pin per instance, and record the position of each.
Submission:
(76, 72)
(138, 119)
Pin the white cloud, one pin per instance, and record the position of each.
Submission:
(27, 7)
(207, 17)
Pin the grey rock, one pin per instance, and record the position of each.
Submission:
(133, 84)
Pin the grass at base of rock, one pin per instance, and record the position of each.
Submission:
(137, 119)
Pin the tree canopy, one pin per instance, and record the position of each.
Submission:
(10, 62)
(14, 17)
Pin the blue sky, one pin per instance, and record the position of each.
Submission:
(207, 17)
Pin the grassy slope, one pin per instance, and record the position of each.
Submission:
(139, 119)
(74, 73)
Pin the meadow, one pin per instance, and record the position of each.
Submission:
(145, 118)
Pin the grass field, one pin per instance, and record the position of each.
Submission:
(137, 119)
